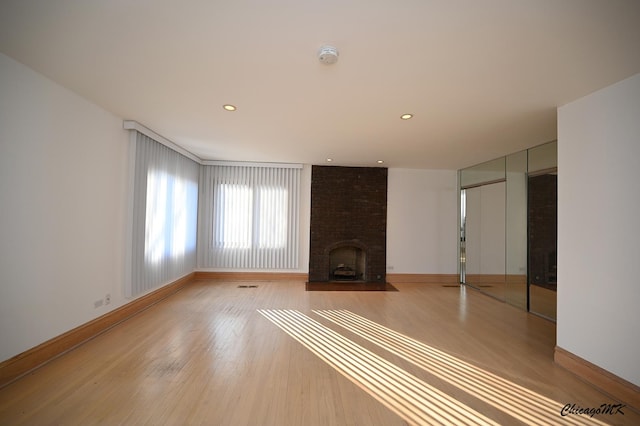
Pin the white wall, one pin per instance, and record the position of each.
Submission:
(598, 228)
(63, 174)
(422, 221)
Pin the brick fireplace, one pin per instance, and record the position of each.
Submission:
(348, 225)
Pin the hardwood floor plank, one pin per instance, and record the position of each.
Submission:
(206, 356)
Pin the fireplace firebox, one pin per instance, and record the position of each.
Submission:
(347, 262)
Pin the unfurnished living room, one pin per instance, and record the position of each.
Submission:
(319, 213)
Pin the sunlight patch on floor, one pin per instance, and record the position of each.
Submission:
(411, 398)
(515, 400)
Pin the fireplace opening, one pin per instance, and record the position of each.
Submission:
(347, 263)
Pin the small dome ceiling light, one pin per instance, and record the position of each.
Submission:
(328, 55)
(406, 116)
(229, 107)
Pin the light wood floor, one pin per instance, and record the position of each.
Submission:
(216, 354)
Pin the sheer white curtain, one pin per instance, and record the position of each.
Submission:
(248, 217)
(165, 208)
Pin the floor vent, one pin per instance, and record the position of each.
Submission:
(451, 285)
(247, 286)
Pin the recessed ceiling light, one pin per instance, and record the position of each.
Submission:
(406, 116)
(229, 107)
(329, 160)
(380, 161)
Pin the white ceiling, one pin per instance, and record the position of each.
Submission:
(482, 77)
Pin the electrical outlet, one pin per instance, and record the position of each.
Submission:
(390, 268)
(98, 303)
(107, 299)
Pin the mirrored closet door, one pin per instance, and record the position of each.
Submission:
(508, 228)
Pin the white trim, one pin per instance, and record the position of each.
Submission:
(134, 125)
(251, 164)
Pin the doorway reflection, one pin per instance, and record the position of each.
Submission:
(485, 238)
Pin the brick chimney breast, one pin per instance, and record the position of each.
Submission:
(348, 209)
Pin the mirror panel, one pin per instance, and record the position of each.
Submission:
(543, 157)
(516, 230)
(508, 225)
(543, 231)
(488, 172)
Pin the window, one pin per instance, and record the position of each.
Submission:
(272, 218)
(164, 222)
(249, 216)
(167, 224)
(235, 212)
